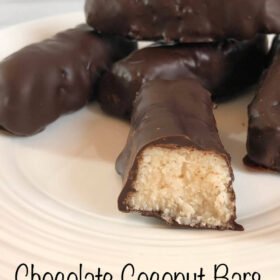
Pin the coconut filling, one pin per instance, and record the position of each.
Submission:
(185, 185)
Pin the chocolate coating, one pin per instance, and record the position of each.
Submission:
(173, 113)
(184, 20)
(56, 76)
(182, 109)
(223, 68)
(263, 143)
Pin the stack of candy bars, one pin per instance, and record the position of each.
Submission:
(174, 166)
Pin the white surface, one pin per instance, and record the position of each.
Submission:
(16, 11)
(58, 197)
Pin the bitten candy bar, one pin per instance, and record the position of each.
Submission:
(224, 68)
(184, 20)
(263, 143)
(45, 80)
(174, 165)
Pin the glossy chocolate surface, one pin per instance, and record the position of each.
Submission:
(224, 68)
(263, 144)
(174, 114)
(56, 76)
(184, 20)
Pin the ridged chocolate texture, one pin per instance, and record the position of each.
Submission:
(56, 76)
(184, 20)
(169, 113)
(263, 143)
(223, 68)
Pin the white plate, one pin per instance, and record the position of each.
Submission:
(58, 193)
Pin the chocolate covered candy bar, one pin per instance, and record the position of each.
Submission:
(223, 68)
(45, 80)
(185, 20)
(263, 143)
(174, 165)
